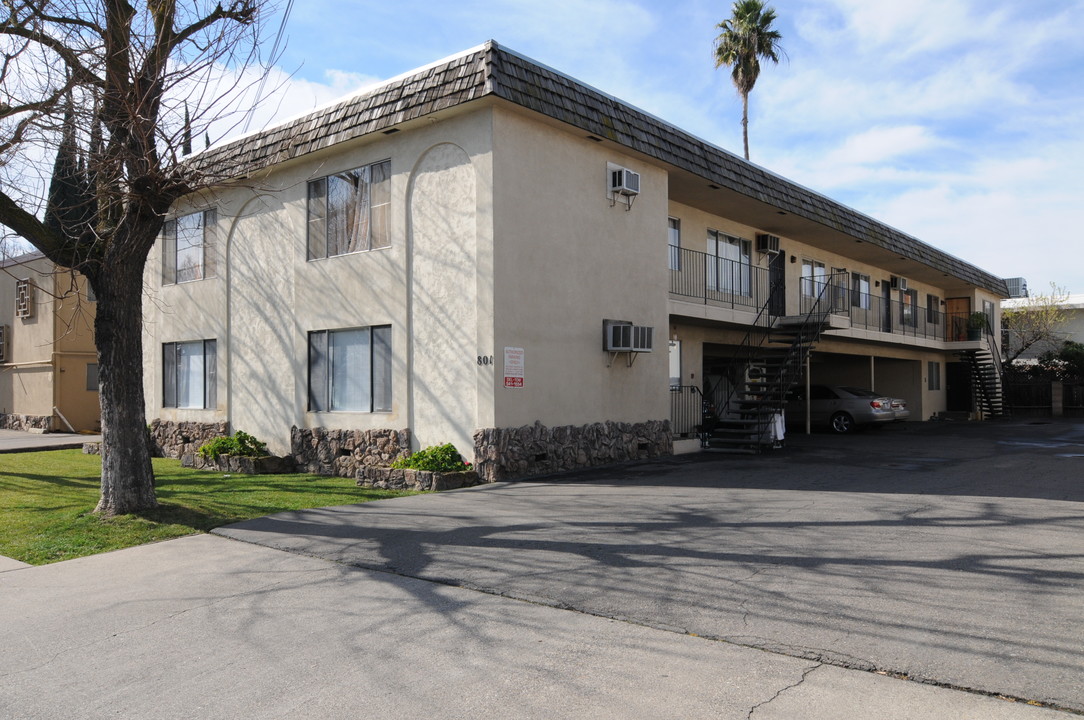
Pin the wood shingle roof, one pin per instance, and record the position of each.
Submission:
(492, 70)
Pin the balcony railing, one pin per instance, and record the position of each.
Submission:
(700, 277)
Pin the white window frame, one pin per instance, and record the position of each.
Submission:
(349, 212)
(730, 264)
(860, 291)
(814, 277)
(200, 381)
(673, 239)
(188, 247)
(336, 374)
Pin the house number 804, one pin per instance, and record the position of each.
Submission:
(485, 359)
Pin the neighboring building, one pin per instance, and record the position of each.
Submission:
(48, 365)
(1071, 329)
(441, 254)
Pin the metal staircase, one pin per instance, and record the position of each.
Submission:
(771, 360)
(987, 377)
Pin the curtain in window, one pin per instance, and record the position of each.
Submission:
(190, 247)
(348, 212)
(350, 370)
(380, 198)
(190, 375)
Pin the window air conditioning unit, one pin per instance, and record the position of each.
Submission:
(617, 335)
(641, 338)
(768, 244)
(623, 336)
(899, 283)
(624, 182)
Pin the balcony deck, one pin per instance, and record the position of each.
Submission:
(708, 288)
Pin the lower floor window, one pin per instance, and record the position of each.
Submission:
(92, 377)
(190, 374)
(350, 370)
(933, 373)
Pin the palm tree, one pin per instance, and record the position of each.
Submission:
(746, 38)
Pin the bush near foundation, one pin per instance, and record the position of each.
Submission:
(240, 443)
(439, 458)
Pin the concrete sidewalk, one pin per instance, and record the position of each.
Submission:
(205, 626)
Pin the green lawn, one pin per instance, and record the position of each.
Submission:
(47, 499)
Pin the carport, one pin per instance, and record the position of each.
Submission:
(894, 377)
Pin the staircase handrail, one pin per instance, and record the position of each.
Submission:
(787, 374)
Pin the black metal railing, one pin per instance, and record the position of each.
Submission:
(714, 280)
(686, 410)
(699, 277)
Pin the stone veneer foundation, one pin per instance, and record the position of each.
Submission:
(511, 453)
(344, 452)
(14, 421)
(174, 439)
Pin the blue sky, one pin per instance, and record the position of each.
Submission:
(958, 121)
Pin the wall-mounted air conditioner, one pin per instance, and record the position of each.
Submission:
(623, 336)
(624, 182)
(617, 335)
(899, 283)
(768, 244)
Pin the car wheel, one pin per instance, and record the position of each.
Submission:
(842, 423)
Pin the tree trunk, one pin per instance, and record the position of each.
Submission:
(745, 122)
(127, 476)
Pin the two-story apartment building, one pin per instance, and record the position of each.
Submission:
(48, 365)
(448, 253)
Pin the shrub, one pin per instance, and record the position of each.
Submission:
(439, 458)
(240, 443)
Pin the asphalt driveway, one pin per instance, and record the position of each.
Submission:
(947, 553)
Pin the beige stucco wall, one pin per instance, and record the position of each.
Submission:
(48, 352)
(901, 365)
(274, 297)
(565, 260)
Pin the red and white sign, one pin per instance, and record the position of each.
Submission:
(513, 367)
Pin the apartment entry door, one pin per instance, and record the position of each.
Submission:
(957, 311)
(777, 282)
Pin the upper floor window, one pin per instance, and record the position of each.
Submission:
(348, 211)
(909, 308)
(860, 291)
(673, 237)
(188, 248)
(189, 374)
(350, 370)
(933, 311)
(814, 277)
(730, 267)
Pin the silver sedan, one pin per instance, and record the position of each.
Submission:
(841, 408)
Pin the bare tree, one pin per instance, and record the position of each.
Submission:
(97, 86)
(1034, 321)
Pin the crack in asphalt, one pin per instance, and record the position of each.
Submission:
(805, 673)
